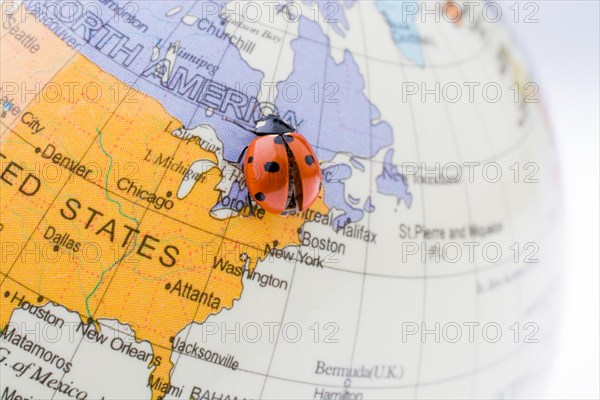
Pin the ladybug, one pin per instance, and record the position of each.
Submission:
(280, 167)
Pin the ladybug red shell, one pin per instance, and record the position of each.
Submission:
(281, 169)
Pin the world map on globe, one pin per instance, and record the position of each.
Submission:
(133, 268)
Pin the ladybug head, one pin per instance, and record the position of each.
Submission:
(272, 124)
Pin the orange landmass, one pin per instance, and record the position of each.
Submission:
(151, 268)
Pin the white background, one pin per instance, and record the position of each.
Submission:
(563, 49)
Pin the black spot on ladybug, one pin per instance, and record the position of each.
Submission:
(250, 159)
(272, 167)
(260, 196)
(278, 139)
(289, 138)
(309, 160)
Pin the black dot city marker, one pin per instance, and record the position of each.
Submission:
(37, 149)
(169, 193)
(56, 248)
(168, 286)
(40, 299)
(6, 294)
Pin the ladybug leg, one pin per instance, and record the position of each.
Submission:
(251, 206)
(242, 155)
